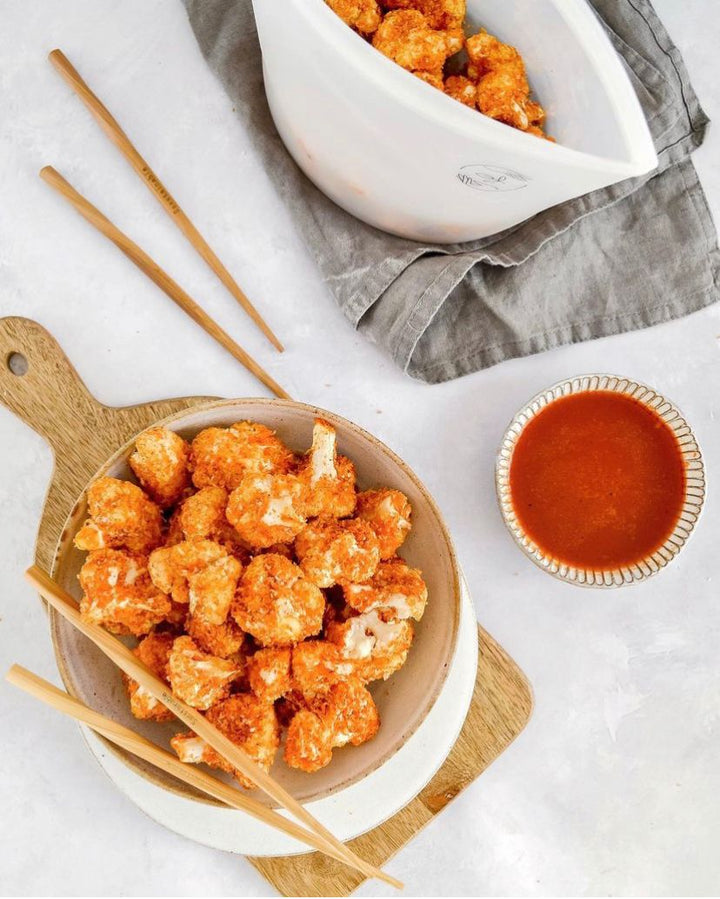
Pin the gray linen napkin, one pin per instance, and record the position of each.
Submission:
(635, 254)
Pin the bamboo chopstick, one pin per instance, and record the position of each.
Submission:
(112, 128)
(63, 603)
(147, 265)
(127, 739)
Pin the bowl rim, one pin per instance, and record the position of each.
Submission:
(68, 531)
(695, 481)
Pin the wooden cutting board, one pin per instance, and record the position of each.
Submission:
(38, 383)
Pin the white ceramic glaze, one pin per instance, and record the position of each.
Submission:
(694, 486)
(403, 701)
(402, 156)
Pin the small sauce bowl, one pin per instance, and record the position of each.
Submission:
(689, 510)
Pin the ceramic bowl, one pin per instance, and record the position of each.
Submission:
(403, 701)
(694, 482)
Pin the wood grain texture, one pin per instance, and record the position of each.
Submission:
(112, 128)
(83, 433)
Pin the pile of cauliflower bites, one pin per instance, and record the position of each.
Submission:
(423, 35)
(265, 590)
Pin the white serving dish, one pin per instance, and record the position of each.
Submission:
(403, 157)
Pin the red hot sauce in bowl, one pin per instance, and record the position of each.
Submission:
(597, 480)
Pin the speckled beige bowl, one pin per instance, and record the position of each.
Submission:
(403, 701)
(694, 485)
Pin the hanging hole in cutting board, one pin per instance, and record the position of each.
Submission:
(18, 364)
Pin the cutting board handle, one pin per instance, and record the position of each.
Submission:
(38, 384)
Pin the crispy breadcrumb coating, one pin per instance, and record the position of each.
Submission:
(171, 566)
(344, 714)
(376, 648)
(441, 14)
(153, 651)
(396, 589)
(161, 464)
(331, 551)
(212, 589)
(198, 678)
(222, 457)
(269, 673)
(118, 593)
(276, 603)
(267, 509)
(121, 517)
(362, 15)
(388, 513)
(226, 640)
(407, 38)
(462, 89)
(248, 721)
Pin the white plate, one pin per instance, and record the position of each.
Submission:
(350, 812)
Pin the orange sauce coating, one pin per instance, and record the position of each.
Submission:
(597, 480)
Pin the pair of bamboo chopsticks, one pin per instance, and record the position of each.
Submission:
(317, 836)
(144, 262)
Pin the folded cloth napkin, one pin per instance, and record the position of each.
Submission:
(631, 255)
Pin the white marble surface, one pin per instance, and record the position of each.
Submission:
(613, 787)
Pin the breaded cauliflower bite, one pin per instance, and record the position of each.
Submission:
(407, 38)
(211, 590)
(161, 464)
(362, 15)
(346, 713)
(503, 92)
(171, 567)
(118, 593)
(317, 665)
(199, 679)
(376, 648)
(331, 551)
(202, 515)
(329, 479)
(395, 589)
(461, 89)
(222, 457)
(269, 673)
(250, 723)
(388, 514)
(153, 651)
(267, 509)
(121, 517)
(226, 640)
(276, 603)
(441, 14)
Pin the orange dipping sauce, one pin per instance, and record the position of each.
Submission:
(597, 480)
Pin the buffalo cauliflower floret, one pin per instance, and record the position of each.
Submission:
(118, 593)
(317, 665)
(408, 39)
(503, 92)
(226, 640)
(160, 463)
(202, 515)
(376, 648)
(222, 457)
(171, 567)
(121, 517)
(331, 551)
(211, 590)
(249, 722)
(395, 589)
(269, 673)
(388, 514)
(267, 509)
(329, 479)
(199, 679)
(344, 714)
(276, 603)
(441, 14)
(362, 15)
(461, 89)
(153, 651)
